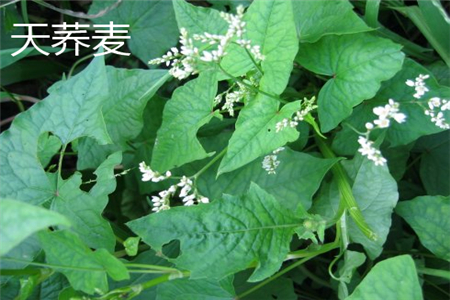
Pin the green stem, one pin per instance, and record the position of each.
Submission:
(14, 99)
(314, 277)
(79, 62)
(60, 161)
(14, 272)
(253, 61)
(152, 267)
(24, 9)
(307, 253)
(345, 191)
(122, 253)
(254, 89)
(284, 271)
(434, 272)
(9, 3)
(209, 164)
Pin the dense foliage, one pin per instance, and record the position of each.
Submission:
(265, 149)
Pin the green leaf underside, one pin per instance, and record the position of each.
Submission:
(85, 270)
(190, 108)
(256, 134)
(85, 209)
(229, 234)
(270, 24)
(417, 123)
(153, 29)
(72, 110)
(375, 192)
(296, 180)
(318, 18)
(129, 92)
(20, 220)
(428, 216)
(393, 278)
(204, 289)
(358, 64)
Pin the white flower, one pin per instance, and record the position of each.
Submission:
(382, 112)
(389, 111)
(367, 149)
(207, 56)
(434, 102)
(306, 107)
(437, 107)
(278, 150)
(270, 163)
(189, 200)
(149, 175)
(419, 85)
(382, 123)
(203, 200)
(399, 117)
(369, 126)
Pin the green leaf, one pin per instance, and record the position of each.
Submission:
(353, 260)
(20, 220)
(129, 92)
(296, 180)
(270, 24)
(7, 59)
(315, 19)
(50, 289)
(433, 22)
(245, 228)
(131, 245)
(85, 270)
(428, 216)
(435, 163)
(393, 278)
(190, 108)
(376, 194)
(256, 134)
(358, 64)
(28, 285)
(20, 256)
(85, 209)
(72, 110)
(197, 19)
(153, 27)
(205, 289)
(48, 146)
(417, 123)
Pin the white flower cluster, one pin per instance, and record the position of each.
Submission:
(149, 175)
(372, 153)
(271, 162)
(231, 98)
(307, 106)
(162, 201)
(183, 61)
(419, 85)
(437, 106)
(384, 113)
